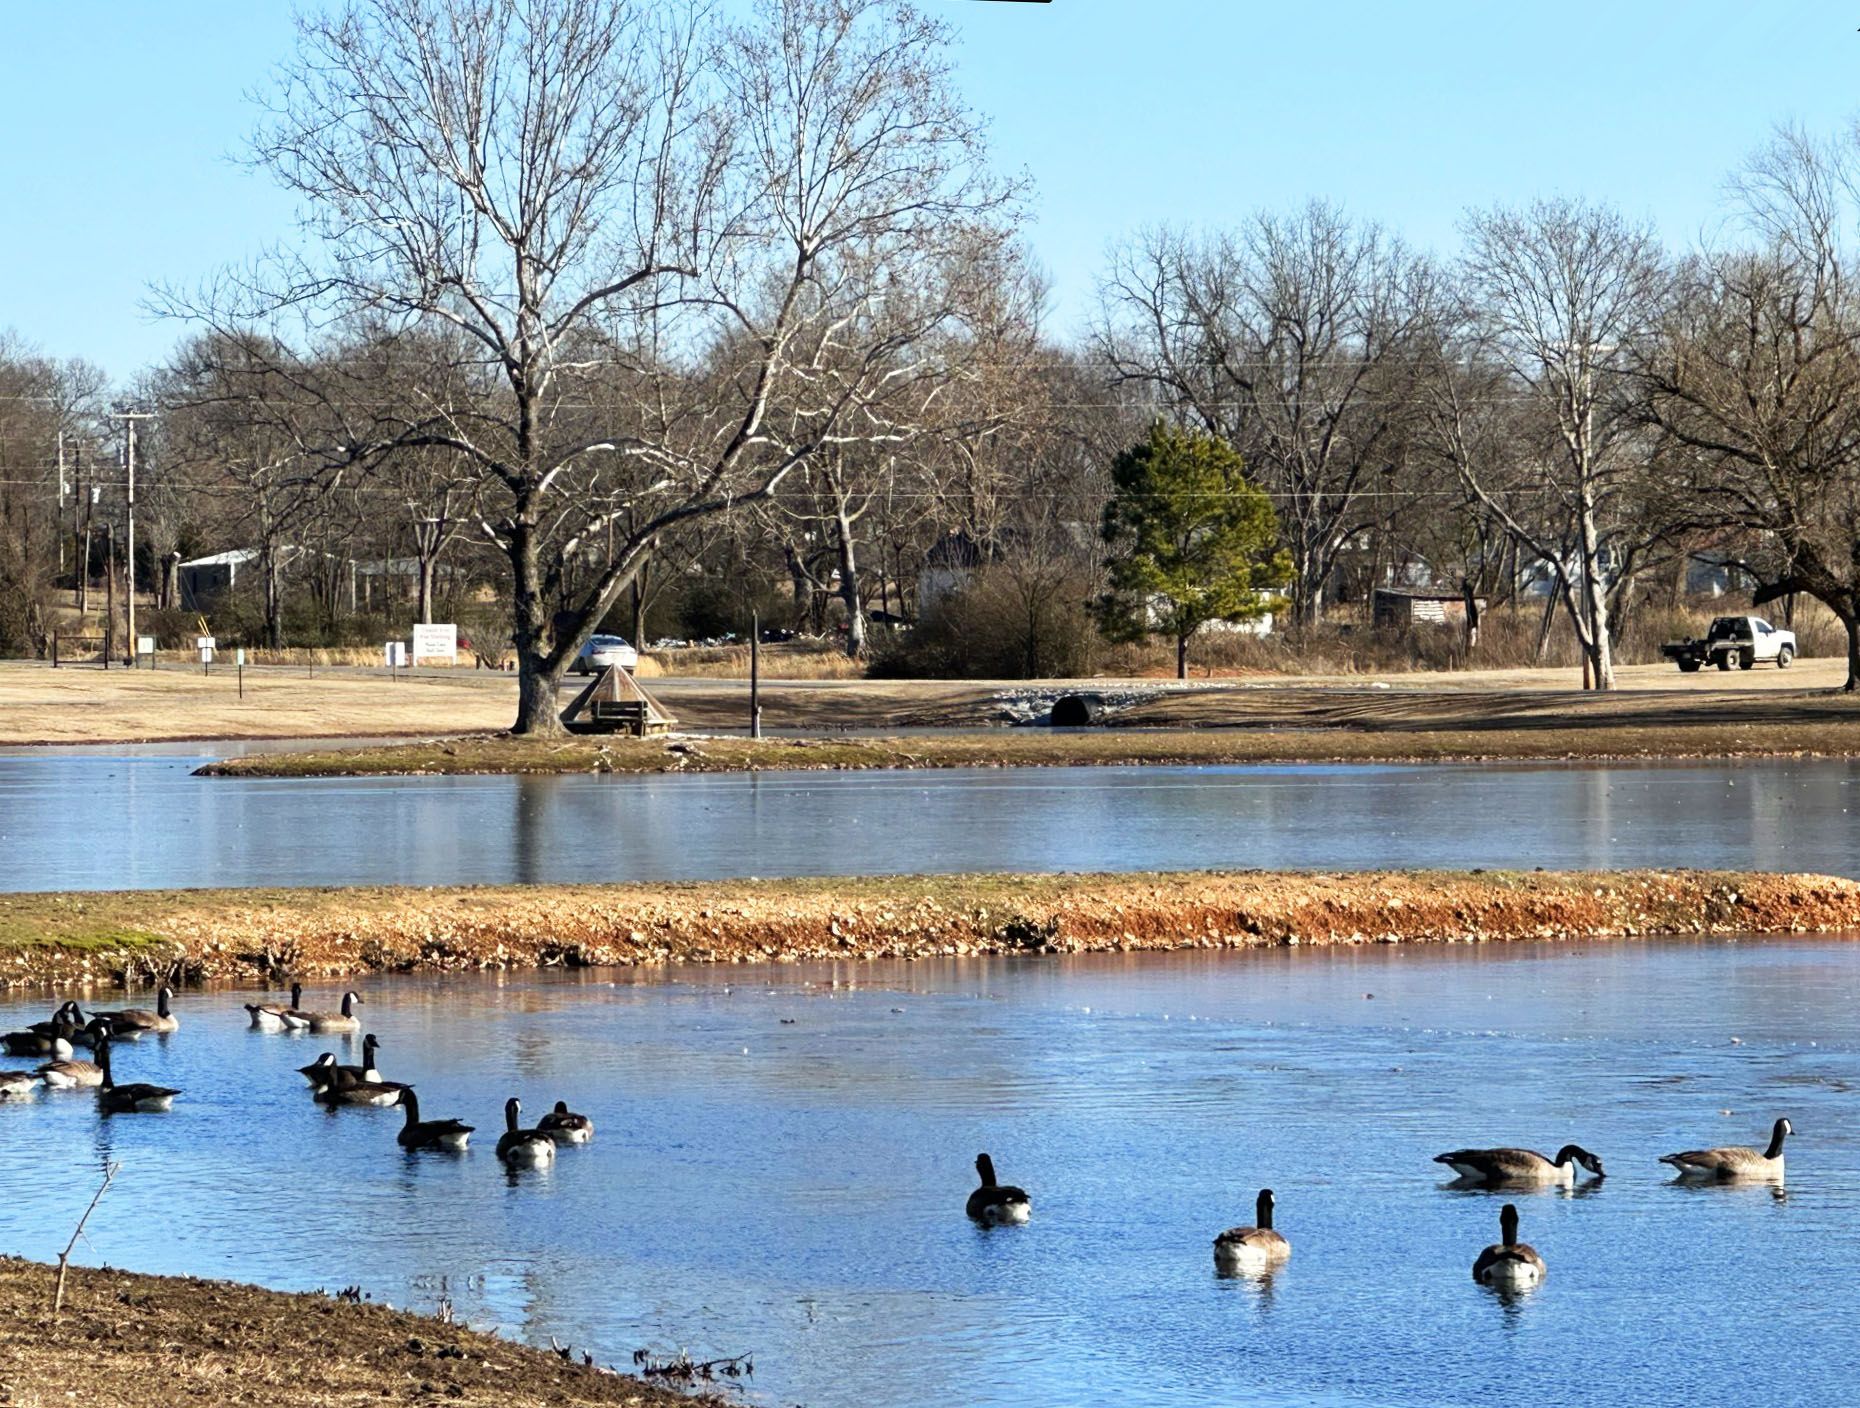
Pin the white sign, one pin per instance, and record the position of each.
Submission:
(145, 645)
(436, 642)
(206, 653)
(203, 642)
(239, 656)
(394, 654)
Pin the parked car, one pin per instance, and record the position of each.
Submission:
(1734, 640)
(602, 651)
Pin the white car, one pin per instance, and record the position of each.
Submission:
(602, 651)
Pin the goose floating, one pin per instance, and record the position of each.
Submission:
(416, 1133)
(325, 1069)
(136, 1098)
(1734, 1162)
(1496, 1167)
(1508, 1264)
(523, 1148)
(132, 1022)
(272, 1017)
(565, 1126)
(18, 1085)
(343, 1021)
(1251, 1250)
(994, 1204)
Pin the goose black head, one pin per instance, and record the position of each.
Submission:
(1581, 1156)
(985, 1167)
(1262, 1209)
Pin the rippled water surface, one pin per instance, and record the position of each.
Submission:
(95, 821)
(781, 1165)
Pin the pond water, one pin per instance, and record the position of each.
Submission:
(782, 1157)
(109, 820)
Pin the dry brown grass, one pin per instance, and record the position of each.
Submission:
(790, 660)
(130, 1341)
(272, 935)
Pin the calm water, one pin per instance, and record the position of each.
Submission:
(796, 1191)
(95, 821)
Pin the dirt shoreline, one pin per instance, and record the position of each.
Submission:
(126, 1340)
(265, 936)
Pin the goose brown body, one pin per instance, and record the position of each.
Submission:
(342, 1021)
(565, 1126)
(1509, 1264)
(1496, 1167)
(274, 1017)
(1252, 1248)
(1736, 1161)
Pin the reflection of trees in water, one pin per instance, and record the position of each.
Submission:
(529, 828)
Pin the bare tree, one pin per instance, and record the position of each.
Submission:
(649, 229)
(1560, 294)
(1755, 383)
(1293, 341)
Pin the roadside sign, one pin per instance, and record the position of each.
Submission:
(436, 642)
(394, 654)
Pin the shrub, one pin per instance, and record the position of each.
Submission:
(1005, 623)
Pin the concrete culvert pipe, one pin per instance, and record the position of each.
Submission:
(1078, 711)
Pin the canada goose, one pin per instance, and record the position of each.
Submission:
(56, 1044)
(1251, 1249)
(135, 1098)
(523, 1148)
(18, 1085)
(73, 1074)
(994, 1204)
(346, 1089)
(1508, 1264)
(1735, 1161)
(344, 1021)
(131, 1022)
(66, 1017)
(1494, 1167)
(565, 1126)
(272, 1018)
(324, 1069)
(430, 1134)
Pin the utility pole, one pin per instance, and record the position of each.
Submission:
(129, 463)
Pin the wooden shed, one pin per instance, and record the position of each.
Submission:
(1398, 608)
(615, 703)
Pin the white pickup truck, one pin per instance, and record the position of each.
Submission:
(1734, 640)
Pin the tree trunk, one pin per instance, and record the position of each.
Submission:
(537, 713)
(1851, 620)
(849, 590)
(1181, 657)
(429, 571)
(1595, 591)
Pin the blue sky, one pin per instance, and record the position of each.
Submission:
(121, 119)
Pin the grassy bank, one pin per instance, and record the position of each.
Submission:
(126, 1341)
(267, 935)
(499, 753)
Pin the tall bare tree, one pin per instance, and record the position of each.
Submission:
(1561, 293)
(650, 228)
(1755, 382)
